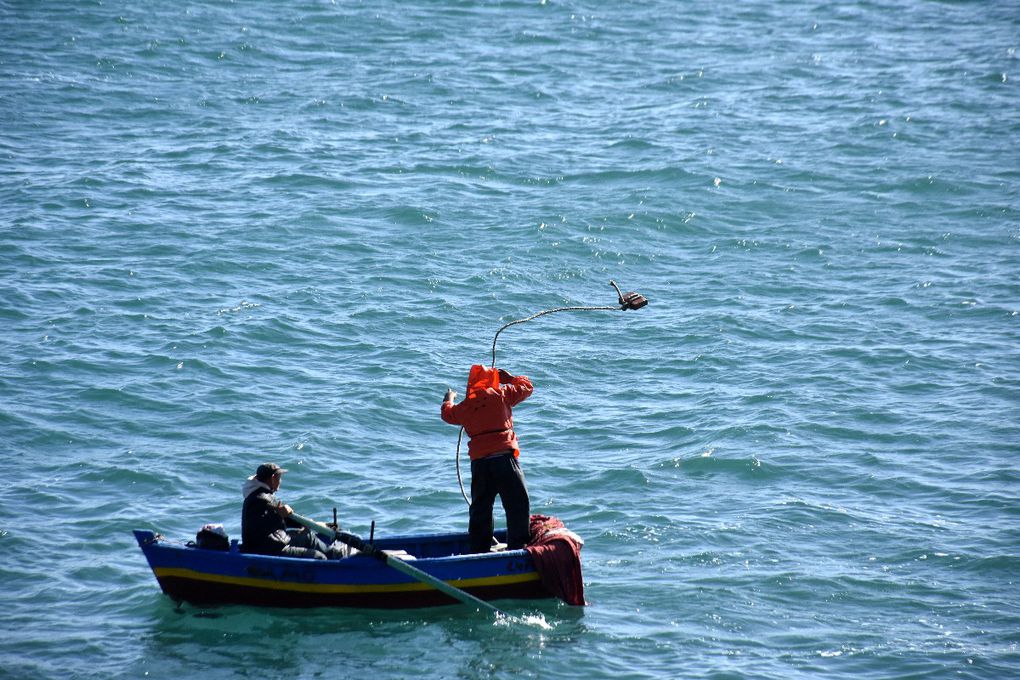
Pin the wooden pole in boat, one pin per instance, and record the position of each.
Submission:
(399, 565)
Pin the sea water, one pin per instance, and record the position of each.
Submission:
(233, 232)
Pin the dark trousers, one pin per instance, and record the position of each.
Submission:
(304, 543)
(498, 475)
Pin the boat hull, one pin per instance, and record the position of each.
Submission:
(200, 576)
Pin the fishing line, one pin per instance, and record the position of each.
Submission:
(630, 300)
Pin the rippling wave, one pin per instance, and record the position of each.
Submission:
(233, 233)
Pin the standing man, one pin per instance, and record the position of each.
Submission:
(485, 414)
(264, 528)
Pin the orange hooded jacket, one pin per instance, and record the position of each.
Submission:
(485, 413)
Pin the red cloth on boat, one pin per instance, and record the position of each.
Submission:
(556, 552)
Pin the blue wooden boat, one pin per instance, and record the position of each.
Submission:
(188, 573)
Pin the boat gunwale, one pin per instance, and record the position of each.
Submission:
(147, 538)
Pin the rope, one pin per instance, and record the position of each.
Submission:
(460, 480)
(548, 311)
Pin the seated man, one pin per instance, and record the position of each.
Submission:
(264, 522)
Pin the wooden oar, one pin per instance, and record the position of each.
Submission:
(399, 565)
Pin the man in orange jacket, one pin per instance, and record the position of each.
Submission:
(485, 414)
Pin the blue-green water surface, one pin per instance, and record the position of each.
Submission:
(242, 231)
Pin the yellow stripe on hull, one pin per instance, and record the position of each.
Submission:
(329, 588)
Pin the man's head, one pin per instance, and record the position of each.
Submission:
(270, 473)
(481, 378)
